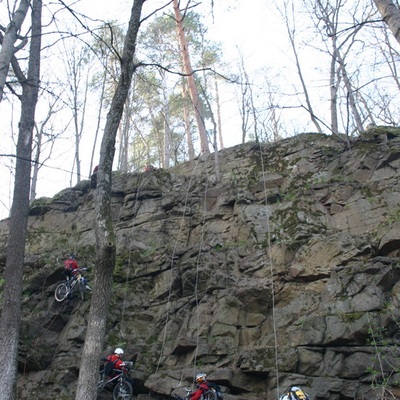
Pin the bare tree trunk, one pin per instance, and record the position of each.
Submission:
(12, 292)
(215, 142)
(36, 158)
(124, 138)
(391, 15)
(244, 106)
(40, 132)
(103, 88)
(186, 120)
(333, 80)
(291, 34)
(167, 132)
(220, 137)
(76, 61)
(350, 94)
(10, 37)
(190, 78)
(104, 230)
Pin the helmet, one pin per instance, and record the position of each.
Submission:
(200, 378)
(118, 351)
(72, 257)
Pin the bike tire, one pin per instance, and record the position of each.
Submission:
(210, 395)
(123, 391)
(61, 292)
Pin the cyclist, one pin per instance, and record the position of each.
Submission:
(71, 266)
(72, 269)
(202, 387)
(116, 359)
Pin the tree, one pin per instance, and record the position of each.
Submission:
(247, 110)
(289, 18)
(187, 66)
(104, 230)
(7, 44)
(12, 291)
(391, 15)
(44, 136)
(340, 43)
(77, 65)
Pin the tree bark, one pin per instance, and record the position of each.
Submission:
(103, 87)
(167, 130)
(186, 120)
(219, 119)
(187, 66)
(10, 37)
(391, 15)
(104, 230)
(12, 293)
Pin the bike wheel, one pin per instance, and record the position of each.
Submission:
(61, 292)
(123, 391)
(210, 395)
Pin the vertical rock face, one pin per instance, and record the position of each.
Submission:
(285, 272)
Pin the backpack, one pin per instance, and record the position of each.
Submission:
(108, 368)
(217, 389)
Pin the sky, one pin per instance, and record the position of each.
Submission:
(243, 27)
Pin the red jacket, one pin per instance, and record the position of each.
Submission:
(118, 363)
(71, 265)
(203, 387)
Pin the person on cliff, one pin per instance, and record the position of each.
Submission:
(93, 178)
(114, 364)
(202, 387)
(149, 167)
(295, 393)
(114, 361)
(71, 269)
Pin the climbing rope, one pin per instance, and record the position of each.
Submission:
(196, 294)
(267, 212)
(129, 258)
(167, 317)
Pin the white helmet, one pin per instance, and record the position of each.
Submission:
(118, 351)
(200, 378)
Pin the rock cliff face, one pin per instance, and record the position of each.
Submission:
(283, 270)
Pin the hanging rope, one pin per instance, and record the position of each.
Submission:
(196, 294)
(120, 332)
(271, 273)
(182, 220)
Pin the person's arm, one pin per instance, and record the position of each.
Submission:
(196, 395)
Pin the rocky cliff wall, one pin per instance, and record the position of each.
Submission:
(283, 271)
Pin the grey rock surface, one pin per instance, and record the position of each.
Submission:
(284, 272)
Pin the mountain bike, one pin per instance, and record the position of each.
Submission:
(210, 394)
(76, 283)
(123, 389)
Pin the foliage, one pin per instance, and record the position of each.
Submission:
(385, 364)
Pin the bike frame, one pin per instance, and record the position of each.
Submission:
(117, 378)
(72, 283)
